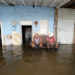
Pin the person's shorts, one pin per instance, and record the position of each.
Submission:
(37, 45)
(48, 44)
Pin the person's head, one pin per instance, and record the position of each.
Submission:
(51, 34)
(36, 35)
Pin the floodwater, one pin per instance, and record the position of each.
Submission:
(25, 61)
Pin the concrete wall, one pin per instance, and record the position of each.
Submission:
(19, 13)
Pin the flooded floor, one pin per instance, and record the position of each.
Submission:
(25, 61)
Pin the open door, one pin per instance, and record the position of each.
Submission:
(65, 26)
(26, 34)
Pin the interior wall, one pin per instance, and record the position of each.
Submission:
(43, 27)
(19, 13)
(65, 31)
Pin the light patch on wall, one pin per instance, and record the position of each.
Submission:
(8, 40)
(26, 22)
(16, 38)
(43, 27)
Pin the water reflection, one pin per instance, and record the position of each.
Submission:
(73, 53)
(23, 60)
(2, 58)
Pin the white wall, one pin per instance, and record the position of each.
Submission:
(65, 29)
(43, 27)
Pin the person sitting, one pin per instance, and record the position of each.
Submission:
(37, 41)
(51, 41)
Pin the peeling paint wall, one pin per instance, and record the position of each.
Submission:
(20, 13)
(16, 37)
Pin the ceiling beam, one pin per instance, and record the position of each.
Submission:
(53, 3)
(71, 3)
(3, 1)
(64, 2)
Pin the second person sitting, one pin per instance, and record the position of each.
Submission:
(51, 41)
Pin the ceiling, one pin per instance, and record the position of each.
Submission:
(70, 4)
(34, 3)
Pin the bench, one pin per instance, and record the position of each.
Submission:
(44, 42)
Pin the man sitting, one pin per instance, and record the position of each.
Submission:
(37, 41)
(51, 41)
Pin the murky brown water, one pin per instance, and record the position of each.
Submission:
(25, 61)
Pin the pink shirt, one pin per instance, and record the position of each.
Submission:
(51, 40)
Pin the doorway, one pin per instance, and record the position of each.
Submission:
(26, 34)
(0, 36)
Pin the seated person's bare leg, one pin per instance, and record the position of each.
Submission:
(48, 45)
(41, 45)
(33, 45)
(56, 45)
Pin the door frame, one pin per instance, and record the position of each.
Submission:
(1, 33)
(56, 23)
(74, 33)
(25, 23)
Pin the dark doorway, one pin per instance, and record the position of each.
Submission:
(26, 34)
(0, 36)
